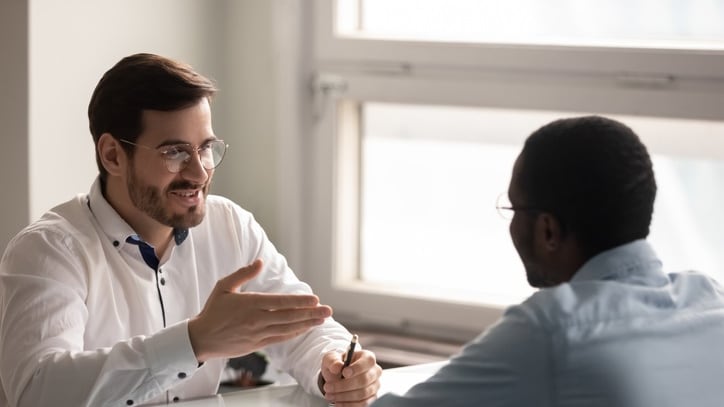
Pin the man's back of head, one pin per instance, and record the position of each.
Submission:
(595, 176)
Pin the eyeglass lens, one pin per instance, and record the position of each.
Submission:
(504, 207)
(210, 155)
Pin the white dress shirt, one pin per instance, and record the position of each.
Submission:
(621, 333)
(82, 314)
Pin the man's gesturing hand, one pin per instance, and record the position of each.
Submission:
(233, 323)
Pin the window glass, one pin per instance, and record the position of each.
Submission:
(646, 23)
(430, 177)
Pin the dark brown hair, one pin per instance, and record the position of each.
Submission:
(136, 83)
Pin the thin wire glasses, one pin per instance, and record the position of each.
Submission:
(177, 156)
(506, 210)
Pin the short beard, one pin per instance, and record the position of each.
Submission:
(151, 201)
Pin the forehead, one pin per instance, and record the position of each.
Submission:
(188, 125)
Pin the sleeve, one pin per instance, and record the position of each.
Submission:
(300, 357)
(508, 365)
(42, 357)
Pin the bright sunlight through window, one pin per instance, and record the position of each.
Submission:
(645, 23)
(431, 176)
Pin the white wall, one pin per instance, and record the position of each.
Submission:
(72, 43)
(248, 47)
(264, 104)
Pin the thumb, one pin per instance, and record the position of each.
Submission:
(233, 281)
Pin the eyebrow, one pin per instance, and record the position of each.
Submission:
(175, 142)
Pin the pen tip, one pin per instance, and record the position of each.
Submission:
(354, 338)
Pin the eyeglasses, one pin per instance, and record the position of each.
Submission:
(177, 156)
(506, 210)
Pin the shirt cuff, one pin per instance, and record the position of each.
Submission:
(170, 356)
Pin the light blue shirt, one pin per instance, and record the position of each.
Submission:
(620, 333)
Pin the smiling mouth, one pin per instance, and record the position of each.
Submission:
(188, 198)
(186, 194)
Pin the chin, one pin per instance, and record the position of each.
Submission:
(537, 280)
(188, 219)
(541, 282)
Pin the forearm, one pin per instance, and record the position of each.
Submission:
(506, 366)
(139, 369)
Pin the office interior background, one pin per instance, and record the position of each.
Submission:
(372, 138)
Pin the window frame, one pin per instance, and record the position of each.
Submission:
(349, 71)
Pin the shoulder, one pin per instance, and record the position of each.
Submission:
(694, 277)
(518, 344)
(226, 218)
(64, 223)
(557, 307)
(538, 307)
(218, 206)
(695, 289)
(59, 237)
(528, 317)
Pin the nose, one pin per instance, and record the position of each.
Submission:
(195, 171)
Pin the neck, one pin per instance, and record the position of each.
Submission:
(572, 259)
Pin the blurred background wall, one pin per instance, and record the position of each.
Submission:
(53, 54)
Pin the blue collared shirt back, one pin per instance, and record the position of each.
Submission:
(620, 333)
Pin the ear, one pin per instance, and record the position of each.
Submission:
(112, 155)
(548, 232)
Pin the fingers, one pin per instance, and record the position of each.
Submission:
(294, 328)
(272, 302)
(358, 397)
(332, 365)
(286, 316)
(362, 361)
(233, 281)
(361, 378)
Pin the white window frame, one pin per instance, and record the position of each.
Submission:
(628, 81)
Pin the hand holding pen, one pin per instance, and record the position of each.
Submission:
(360, 381)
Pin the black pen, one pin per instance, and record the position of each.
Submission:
(350, 352)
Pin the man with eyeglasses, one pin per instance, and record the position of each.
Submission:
(608, 326)
(139, 291)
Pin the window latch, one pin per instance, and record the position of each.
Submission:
(326, 87)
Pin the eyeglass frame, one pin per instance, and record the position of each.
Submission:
(502, 208)
(185, 162)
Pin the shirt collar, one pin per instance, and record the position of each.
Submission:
(114, 227)
(634, 262)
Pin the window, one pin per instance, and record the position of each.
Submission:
(430, 175)
(642, 23)
(419, 120)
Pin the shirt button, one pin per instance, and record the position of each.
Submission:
(163, 281)
(115, 243)
(182, 375)
(129, 402)
(176, 399)
(159, 270)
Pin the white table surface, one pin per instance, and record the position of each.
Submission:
(396, 380)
